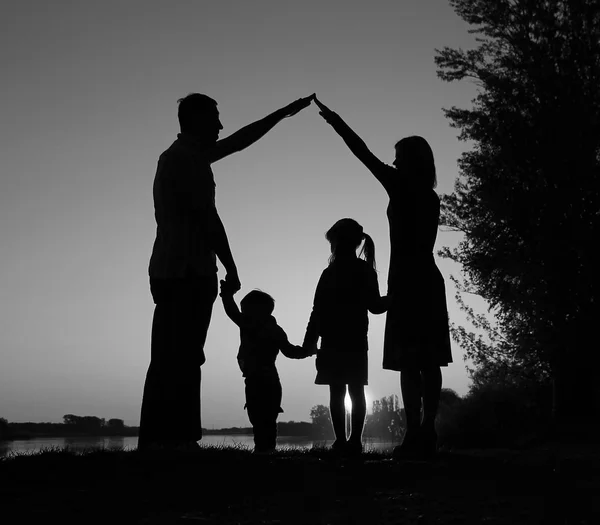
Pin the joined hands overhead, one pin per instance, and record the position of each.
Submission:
(298, 105)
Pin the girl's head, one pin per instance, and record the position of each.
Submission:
(345, 236)
(415, 157)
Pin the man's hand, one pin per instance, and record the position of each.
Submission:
(233, 282)
(298, 105)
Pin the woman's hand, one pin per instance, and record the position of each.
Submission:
(325, 112)
(311, 349)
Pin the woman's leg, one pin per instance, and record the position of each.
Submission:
(432, 387)
(359, 411)
(337, 393)
(411, 386)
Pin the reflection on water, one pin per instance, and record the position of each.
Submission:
(130, 443)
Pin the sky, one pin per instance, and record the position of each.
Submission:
(89, 102)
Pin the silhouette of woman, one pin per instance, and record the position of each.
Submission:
(347, 289)
(417, 338)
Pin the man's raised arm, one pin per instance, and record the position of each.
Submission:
(249, 134)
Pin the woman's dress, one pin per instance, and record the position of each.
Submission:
(416, 331)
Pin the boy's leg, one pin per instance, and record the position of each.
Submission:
(253, 407)
(337, 393)
(359, 411)
(263, 401)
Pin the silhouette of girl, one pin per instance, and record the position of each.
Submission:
(347, 288)
(417, 339)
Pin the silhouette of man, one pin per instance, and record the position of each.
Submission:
(183, 271)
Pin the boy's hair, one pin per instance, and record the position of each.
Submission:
(259, 298)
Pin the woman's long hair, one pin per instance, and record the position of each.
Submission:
(417, 159)
(347, 235)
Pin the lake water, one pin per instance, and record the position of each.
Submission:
(24, 446)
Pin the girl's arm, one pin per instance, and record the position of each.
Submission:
(376, 303)
(313, 329)
(380, 170)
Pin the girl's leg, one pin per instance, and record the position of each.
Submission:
(337, 393)
(359, 411)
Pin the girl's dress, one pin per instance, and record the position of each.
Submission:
(347, 289)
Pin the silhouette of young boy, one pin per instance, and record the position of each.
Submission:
(261, 340)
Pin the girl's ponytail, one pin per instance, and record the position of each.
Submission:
(368, 250)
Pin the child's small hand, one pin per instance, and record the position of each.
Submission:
(226, 289)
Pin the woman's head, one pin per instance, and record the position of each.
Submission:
(345, 236)
(415, 157)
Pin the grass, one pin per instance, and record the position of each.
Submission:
(229, 485)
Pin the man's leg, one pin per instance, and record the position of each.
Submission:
(155, 403)
(171, 401)
(193, 321)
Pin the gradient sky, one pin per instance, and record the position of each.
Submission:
(88, 104)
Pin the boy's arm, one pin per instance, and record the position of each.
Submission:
(249, 134)
(231, 308)
(293, 351)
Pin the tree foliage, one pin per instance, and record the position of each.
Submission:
(527, 198)
(321, 422)
(386, 421)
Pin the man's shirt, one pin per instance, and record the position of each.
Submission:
(185, 212)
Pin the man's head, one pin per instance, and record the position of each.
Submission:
(198, 116)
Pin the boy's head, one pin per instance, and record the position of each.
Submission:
(257, 304)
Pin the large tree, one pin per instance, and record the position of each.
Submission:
(527, 198)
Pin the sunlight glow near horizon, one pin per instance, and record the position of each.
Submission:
(89, 105)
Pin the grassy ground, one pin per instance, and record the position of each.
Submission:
(231, 486)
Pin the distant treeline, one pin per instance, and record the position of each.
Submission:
(287, 428)
(94, 426)
(72, 426)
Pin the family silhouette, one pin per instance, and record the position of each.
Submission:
(183, 282)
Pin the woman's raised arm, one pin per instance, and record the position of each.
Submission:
(379, 169)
